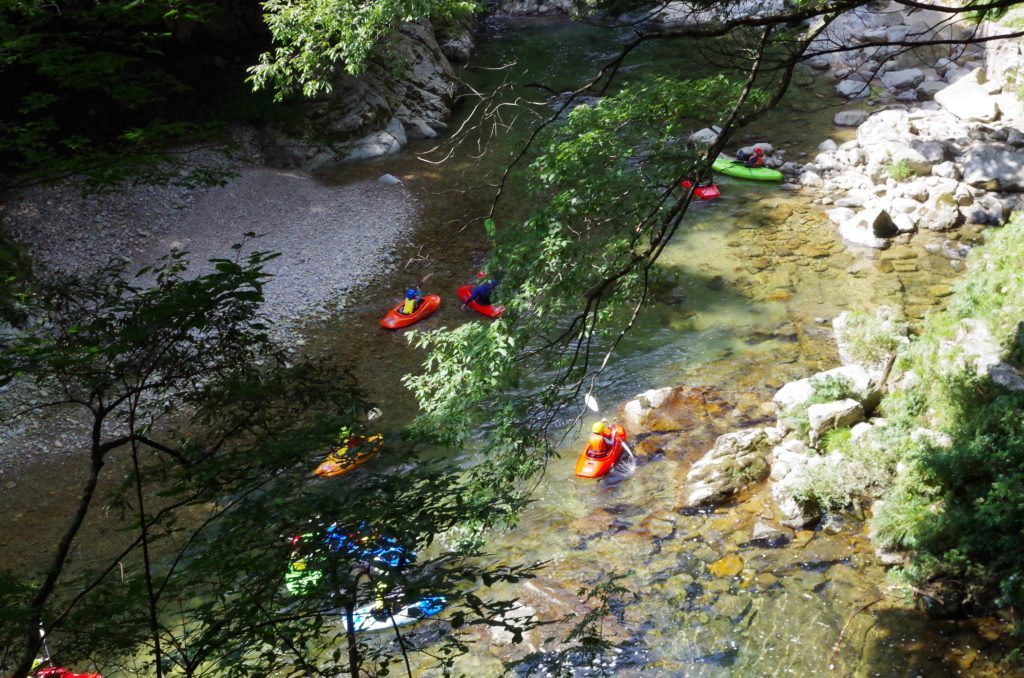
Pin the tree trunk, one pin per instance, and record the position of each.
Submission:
(32, 638)
(350, 634)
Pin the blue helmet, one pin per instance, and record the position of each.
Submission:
(410, 293)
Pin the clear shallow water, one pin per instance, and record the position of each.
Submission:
(747, 282)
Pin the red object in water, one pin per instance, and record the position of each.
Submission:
(595, 463)
(395, 319)
(61, 672)
(709, 192)
(489, 311)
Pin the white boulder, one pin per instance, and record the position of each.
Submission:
(907, 78)
(967, 99)
(825, 417)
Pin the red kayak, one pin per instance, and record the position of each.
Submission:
(61, 672)
(395, 319)
(594, 460)
(489, 311)
(709, 192)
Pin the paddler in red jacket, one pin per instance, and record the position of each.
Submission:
(756, 158)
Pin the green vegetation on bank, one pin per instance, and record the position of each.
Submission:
(957, 500)
(948, 460)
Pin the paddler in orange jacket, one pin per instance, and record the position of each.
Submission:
(601, 440)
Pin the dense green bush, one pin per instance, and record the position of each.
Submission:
(871, 339)
(957, 502)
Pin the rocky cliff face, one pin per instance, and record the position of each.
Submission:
(532, 7)
(407, 92)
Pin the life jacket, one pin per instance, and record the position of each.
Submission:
(597, 446)
(409, 307)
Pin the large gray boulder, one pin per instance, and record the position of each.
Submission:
(889, 125)
(976, 348)
(869, 228)
(931, 150)
(888, 325)
(967, 99)
(800, 391)
(376, 112)
(638, 411)
(908, 78)
(790, 465)
(388, 141)
(824, 417)
(810, 179)
(1007, 376)
(736, 460)
(705, 135)
(927, 90)
(995, 167)
(840, 214)
(939, 216)
(914, 159)
(853, 89)
(850, 118)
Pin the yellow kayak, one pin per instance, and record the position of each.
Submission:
(347, 458)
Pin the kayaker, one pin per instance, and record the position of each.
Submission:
(481, 292)
(755, 159)
(601, 440)
(413, 297)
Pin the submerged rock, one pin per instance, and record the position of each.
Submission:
(673, 409)
(727, 566)
(764, 531)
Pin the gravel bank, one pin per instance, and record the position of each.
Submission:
(331, 237)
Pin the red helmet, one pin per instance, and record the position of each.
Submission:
(758, 151)
(481, 274)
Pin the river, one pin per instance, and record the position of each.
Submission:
(750, 283)
(747, 289)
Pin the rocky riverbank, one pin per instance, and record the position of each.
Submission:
(937, 141)
(407, 93)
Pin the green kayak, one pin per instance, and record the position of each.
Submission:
(734, 168)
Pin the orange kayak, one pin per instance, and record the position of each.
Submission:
(488, 310)
(349, 457)
(594, 463)
(395, 319)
